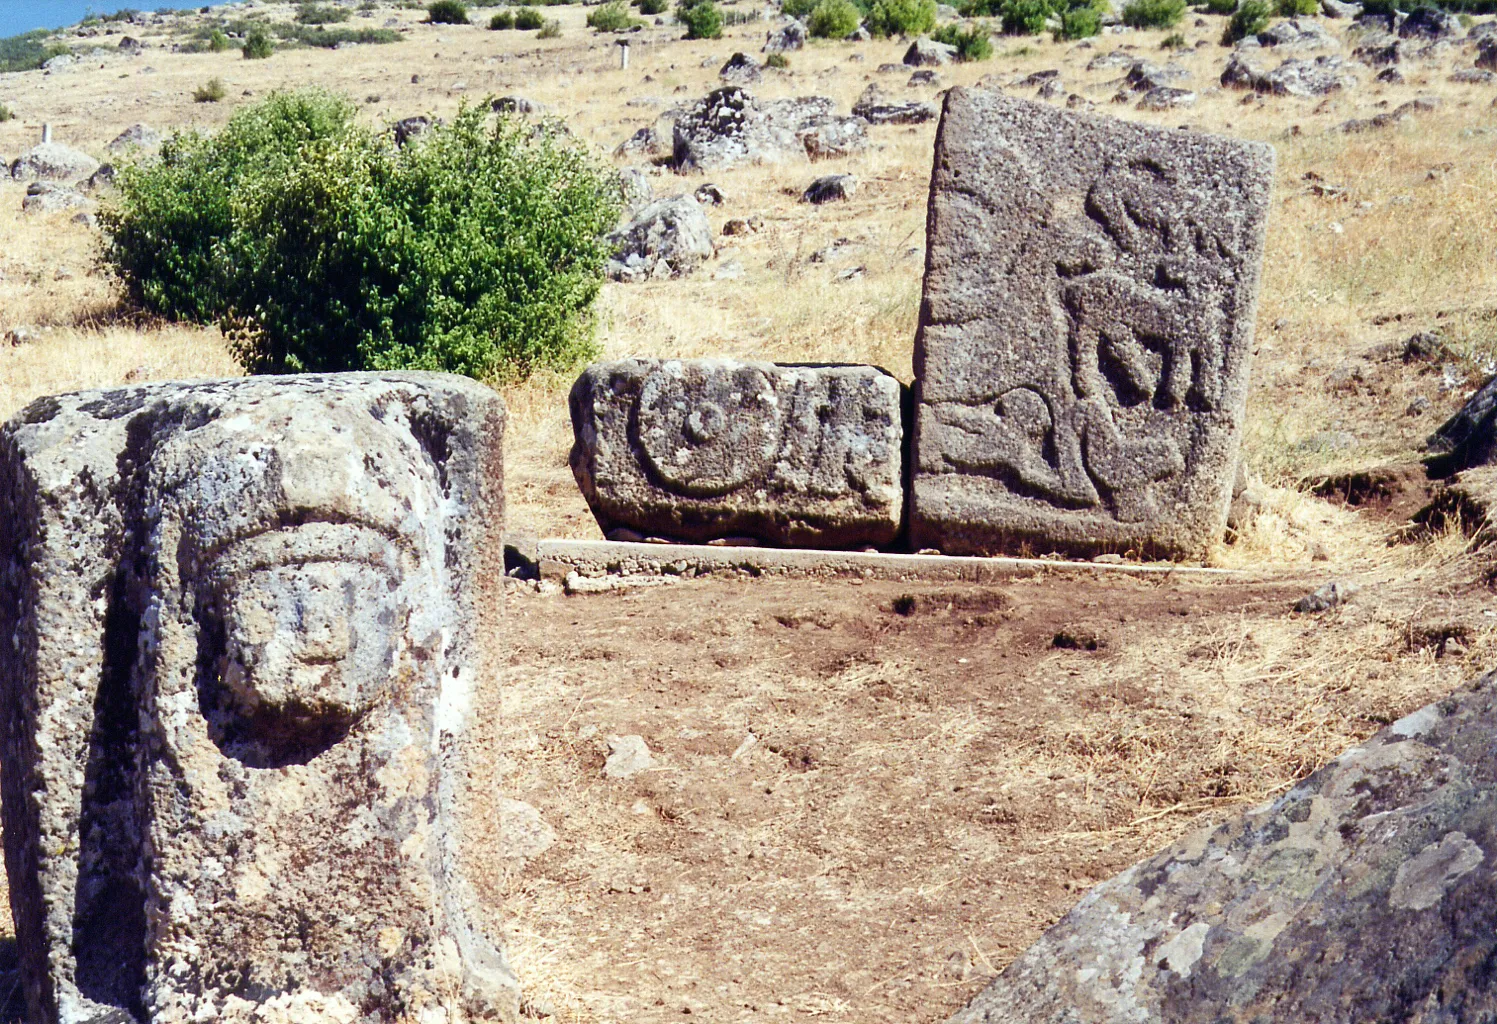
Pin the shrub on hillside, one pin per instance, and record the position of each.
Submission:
(1153, 13)
(1079, 23)
(652, 7)
(971, 43)
(833, 19)
(798, 8)
(1296, 8)
(702, 19)
(902, 17)
(1174, 41)
(28, 52)
(775, 60)
(611, 17)
(550, 30)
(320, 245)
(257, 45)
(210, 91)
(502, 20)
(1024, 17)
(6, 114)
(1250, 18)
(446, 12)
(1221, 6)
(528, 18)
(321, 14)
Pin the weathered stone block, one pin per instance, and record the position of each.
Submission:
(1082, 358)
(699, 450)
(244, 625)
(1365, 893)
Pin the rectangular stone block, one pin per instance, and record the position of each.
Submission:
(243, 624)
(1082, 357)
(704, 449)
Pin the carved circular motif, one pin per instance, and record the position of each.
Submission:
(708, 431)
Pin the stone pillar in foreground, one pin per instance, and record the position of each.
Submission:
(1082, 360)
(245, 626)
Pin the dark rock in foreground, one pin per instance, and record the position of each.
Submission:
(1469, 438)
(1365, 893)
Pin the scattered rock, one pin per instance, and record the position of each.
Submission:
(1326, 596)
(730, 127)
(709, 195)
(876, 108)
(1403, 112)
(1114, 59)
(738, 226)
(741, 69)
(410, 128)
(926, 52)
(52, 161)
(1297, 34)
(137, 136)
(46, 197)
(18, 336)
(1316, 77)
(1363, 893)
(830, 188)
(1427, 22)
(62, 60)
(1165, 98)
(1390, 76)
(522, 832)
(1143, 76)
(705, 449)
(1473, 76)
(627, 757)
(1469, 438)
(921, 78)
(1380, 55)
(100, 179)
(516, 105)
(635, 190)
(1486, 54)
(1036, 79)
(1338, 9)
(789, 37)
(673, 231)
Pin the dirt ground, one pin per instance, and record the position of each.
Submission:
(868, 797)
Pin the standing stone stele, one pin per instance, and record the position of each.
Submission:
(709, 449)
(246, 622)
(1082, 359)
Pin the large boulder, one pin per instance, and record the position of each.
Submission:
(707, 449)
(668, 237)
(1297, 34)
(731, 127)
(50, 197)
(875, 107)
(1083, 376)
(244, 621)
(1368, 892)
(137, 136)
(1144, 76)
(830, 188)
(1486, 54)
(52, 161)
(1469, 438)
(788, 37)
(1309, 77)
(1339, 9)
(1428, 22)
(926, 52)
(741, 69)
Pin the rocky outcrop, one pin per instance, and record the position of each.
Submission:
(667, 238)
(925, 52)
(52, 161)
(787, 38)
(741, 69)
(1316, 77)
(830, 188)
(730, 127)
(876, 107)
(1365, 893)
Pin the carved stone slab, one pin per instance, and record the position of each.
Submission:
(698, 450)
(1082, 359)
(1368, 892)
(246, 628)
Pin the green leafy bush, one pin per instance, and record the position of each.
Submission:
(971, 43)
(28, 52)
(702, 19)
(304, 35)
(902, 17)
(611, 17)
(1173, 42)
(257, 45)
(1079, 23)
(550, 30)
(210, 91)
(1024, 17)
(652, 7)
(833, 19)
(319, 245)
(6, 114)
(798, 8)
(446, 12)
(502, 20)
(1250, 18)
(528, 18)
(1224, 7)
(774, 60)
(321, 14)
(1153, 13)
(1296, 8)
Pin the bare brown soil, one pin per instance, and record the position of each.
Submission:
(869, 796)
